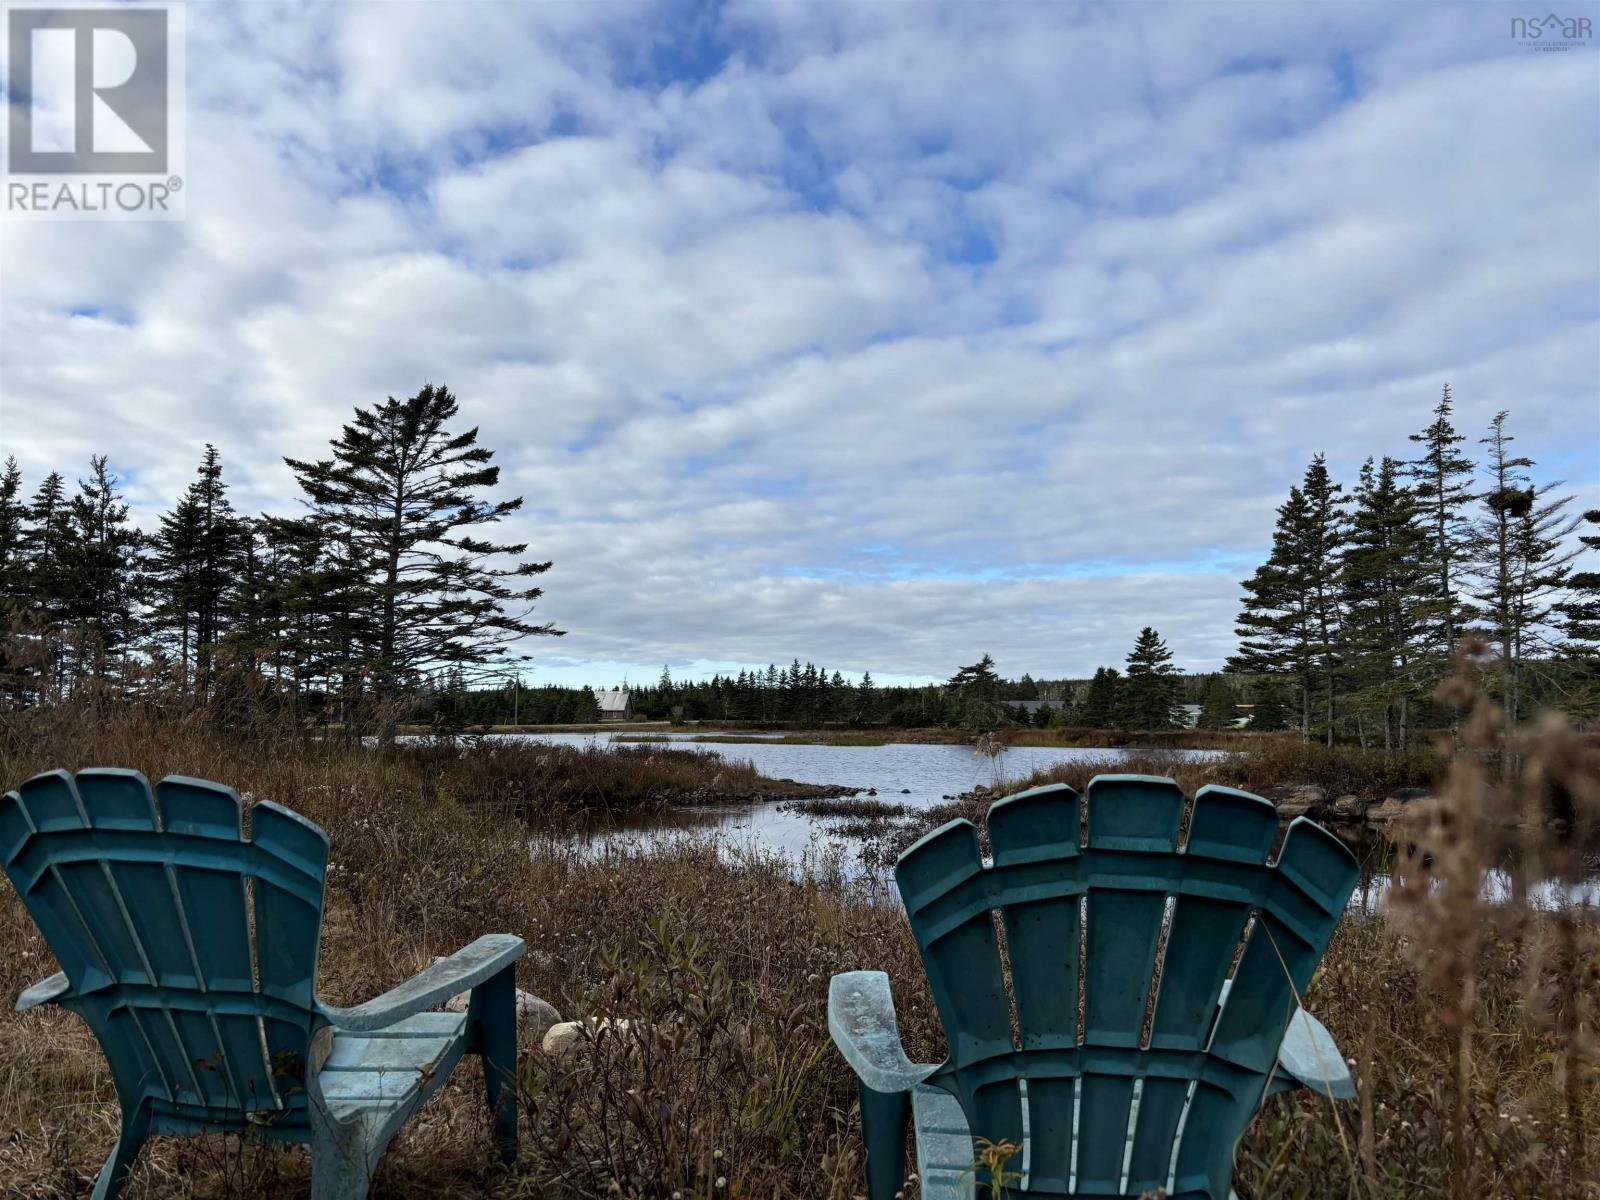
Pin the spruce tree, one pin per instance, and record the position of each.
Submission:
(1580, 614)
(1267, 713)
(1519, 561)
(1322, 549)
(1216, 705)
(173, 582)
(1102, 700)
(1443, 478)
(404, 491)
(866, 700)
(1150, 693)
(13, 537)
(1384, 581)
(1276, 624)
(221, 543)
(13, 582)
(48, 546)
(978, 681)
(102, 572)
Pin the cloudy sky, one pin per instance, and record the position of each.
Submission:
(880, 334)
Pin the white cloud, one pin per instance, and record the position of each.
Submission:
(876, 334)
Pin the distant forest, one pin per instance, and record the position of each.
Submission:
(382, 601)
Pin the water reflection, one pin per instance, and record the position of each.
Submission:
(915, 775)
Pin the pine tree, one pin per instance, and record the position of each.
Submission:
(13, 584)
(1384, 580)
(1102, 700)
(221, 536)
(1150, 695)
(1518, 560)
(1443, 478)
(1580, 613)
(1216, 705)
(174, 580)
(866, 700)
(400, 487)
(13, 539)
(1276, 625)
(102, 571)
(978, 681)
(1492, 543)
(1267, 713)
(1322, 556)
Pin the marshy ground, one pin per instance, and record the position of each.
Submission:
(734, 1090)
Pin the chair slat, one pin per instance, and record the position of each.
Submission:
(1051, 1109)
(100, 908)
(212, 909)
(1103, 1132)
(51, 802)
(114, 798)
(287, 927)
(147, 891)
(1160, 1109)
(199, 808)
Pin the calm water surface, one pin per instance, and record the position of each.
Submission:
(914, 774)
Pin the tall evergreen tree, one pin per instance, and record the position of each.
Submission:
(173, 582)
(13, 537)
(48, 546)
(866, 700)
(1267, 714)
(1493, 546)
(978, 681)
(1520, 561)
(1216, 705)
(1384, 581)
(1580, 613)
(1150, 692)
(103, 571)
(1322, 550)
(405, 492)
(1290, 621)
(218, 565)
(13, 584)
(1443, 478)
(1102, 701)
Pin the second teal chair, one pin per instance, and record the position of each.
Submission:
(1103, 1094)
(191, 951)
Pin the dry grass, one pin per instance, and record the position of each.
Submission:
(725, 964)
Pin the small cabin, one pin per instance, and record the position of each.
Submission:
(614, 706)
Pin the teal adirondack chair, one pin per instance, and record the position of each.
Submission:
(149, 903)
(1100, 1107)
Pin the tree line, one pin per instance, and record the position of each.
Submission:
(1367, 594)
(347, 611)
(1149, 696)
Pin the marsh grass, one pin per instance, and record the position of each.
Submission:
(720, 965)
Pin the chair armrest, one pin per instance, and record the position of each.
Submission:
(465, 969)
(46, 991)
(861, 1020)
(1310, 1055)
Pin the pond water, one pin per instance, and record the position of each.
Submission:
(917, 775)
